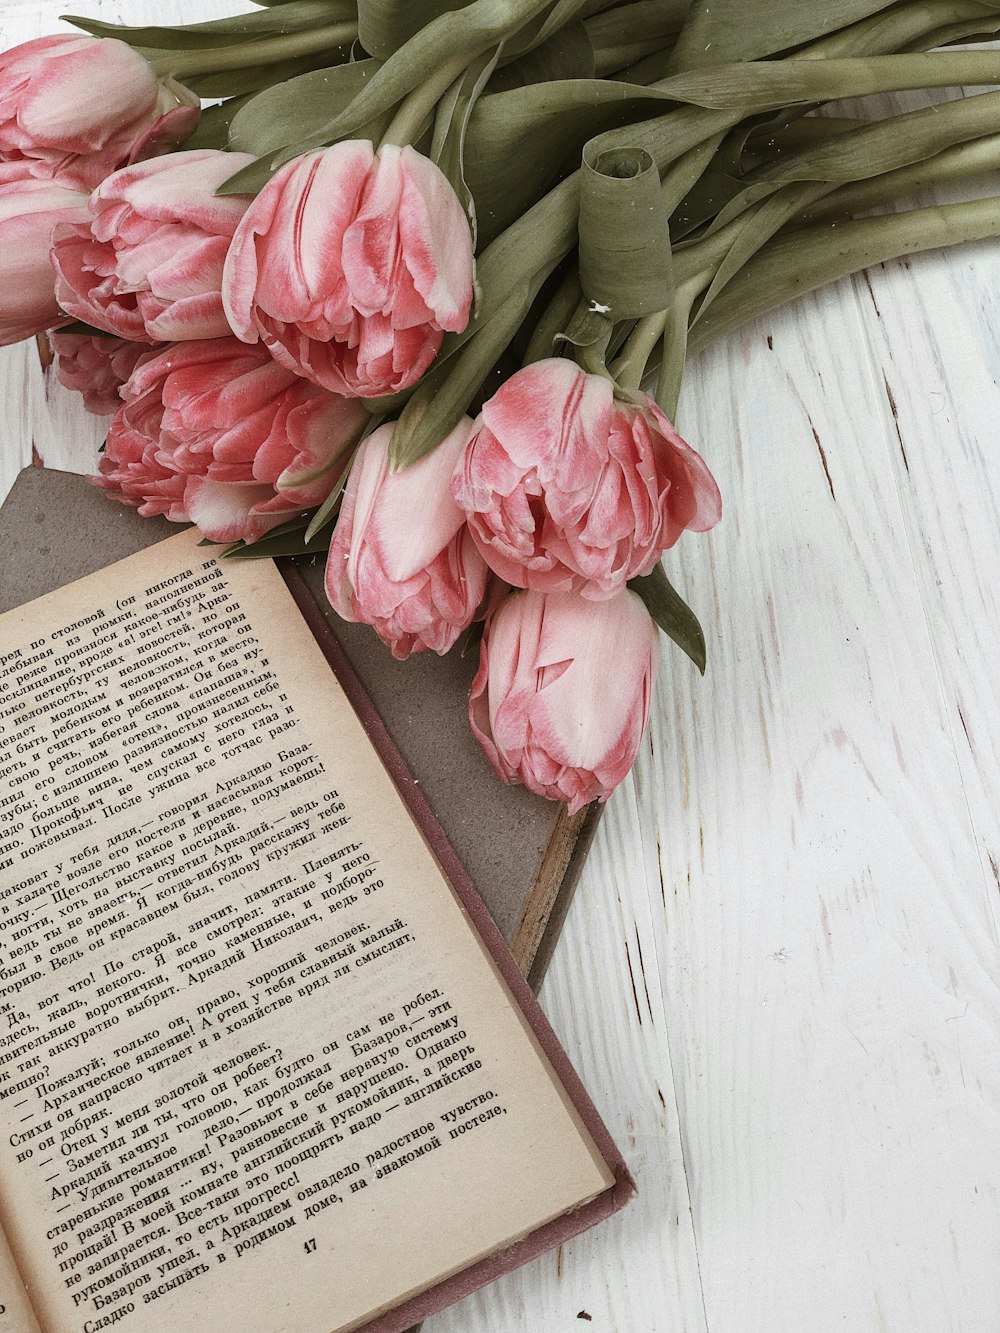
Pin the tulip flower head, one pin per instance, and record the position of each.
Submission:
(402, 559)
(96, 367)
(147, 265)
(218, 433)
(562, 694)
(350, 265)
(30, 210)
(566, 489)
(80, 107)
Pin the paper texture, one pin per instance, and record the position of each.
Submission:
(241, 985)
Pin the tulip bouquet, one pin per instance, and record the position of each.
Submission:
(413, 283)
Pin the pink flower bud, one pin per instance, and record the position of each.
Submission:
(350, 264)
(29, 211)
(148, 264)
(96, 367)
(562, 694)
(401, 558)
(217, 432)
(82, 106)
(567, 489)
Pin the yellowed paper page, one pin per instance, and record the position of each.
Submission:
(254, 1058)
(16, 1314)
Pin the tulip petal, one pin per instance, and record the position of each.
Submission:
(350, 266)
(562, 695)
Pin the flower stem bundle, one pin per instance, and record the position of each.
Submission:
(419, 287)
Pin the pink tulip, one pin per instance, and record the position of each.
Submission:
(83, 106)
(562, 695)
(96, 367)
(29, 210)
(401, 558)
(350, 264)
(148, 264)
(131, 471)
(217, 432)
(567, 489)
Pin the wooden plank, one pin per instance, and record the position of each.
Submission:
(779, 979)
(829, 946)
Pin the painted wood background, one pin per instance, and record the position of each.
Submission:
(779, 979)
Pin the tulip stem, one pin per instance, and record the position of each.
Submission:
(630, 367)
(675, 344)
(590, 357)
(264, 51)
(416, 108)
(803, 260)
(957, 163)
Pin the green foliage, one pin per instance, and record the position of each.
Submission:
(451, 125)
(754, 87)
(291, 16)
(520, 142)
(289, 540)
(803, 260)
(673, 615)
(278, 116)
(718, 31)
(625, 257)
(470, 31)
(386, 25)
(213, 128)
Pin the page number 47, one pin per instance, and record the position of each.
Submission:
(310, 1246)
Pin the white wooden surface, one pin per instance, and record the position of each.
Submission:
(780, 977)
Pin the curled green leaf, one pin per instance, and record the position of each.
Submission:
(625, 259)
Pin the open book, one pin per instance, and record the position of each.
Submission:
(266, 1063)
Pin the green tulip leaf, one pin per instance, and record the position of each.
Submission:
(448, 40)
(758, 228)
(568, 54)
(673, 615)
(521, 141)
(900, 141)
(564, 12)
(386, 25)
(588, 329)
(798, 182)
(713, 190)
(718, 31)
(250, 179)
(255, 78)
(958, 32)
(803, 260)
(289, 540)
(279, 115)
(327, 509)
(754, 87)
(626, 266)
(450, 125)
(81, 330)
(294, 16)
(214, 126)
(444, 395)
(555, 317)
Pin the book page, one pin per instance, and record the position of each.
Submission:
(254, 1061)
(16, 1314)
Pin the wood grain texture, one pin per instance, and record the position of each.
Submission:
(779, 979)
